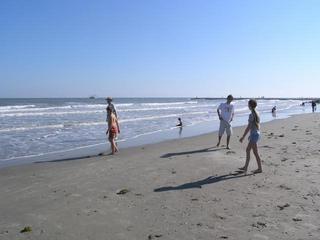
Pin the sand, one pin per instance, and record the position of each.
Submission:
(179, 189)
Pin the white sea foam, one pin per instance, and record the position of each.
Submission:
(167, 108)
(168, 104)
(49, 113)
(48, 126)
(161, 116)
(15, 107)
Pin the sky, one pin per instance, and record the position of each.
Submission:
(159, 48)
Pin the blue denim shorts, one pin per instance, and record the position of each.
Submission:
(254, 137)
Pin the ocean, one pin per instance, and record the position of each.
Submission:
(38, 127)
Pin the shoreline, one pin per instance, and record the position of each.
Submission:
(95, 150)
(177, 189)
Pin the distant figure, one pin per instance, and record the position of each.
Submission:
(302, 104)
(225, 112)
(113, 129)
(274, 111)
(112, 107)
(314, 106)
(254, 128)
(180, 123)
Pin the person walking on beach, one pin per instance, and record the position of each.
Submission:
(254, 128)
(225, 112)
(110, 104)
(113, 129)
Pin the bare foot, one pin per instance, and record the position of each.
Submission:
(242, 171)
(218, 144)
(257, 171)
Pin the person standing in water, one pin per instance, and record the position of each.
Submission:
(314, 106)
(225, 112)
(180, 123)
(254, 128)
(113, 129)
(274, 111)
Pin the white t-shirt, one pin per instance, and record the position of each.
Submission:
(227, 110)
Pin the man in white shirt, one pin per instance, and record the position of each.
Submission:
(225, 113)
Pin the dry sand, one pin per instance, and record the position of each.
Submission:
(180, 189)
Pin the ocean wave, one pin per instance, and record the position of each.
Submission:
(170, 103)
(15, 107)
(30, 128)
(53, 126)
(124, 104)
(161, 116)
(165, 108)
(48, 113)
(88, 124)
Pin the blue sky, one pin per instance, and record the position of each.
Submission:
(159, 48)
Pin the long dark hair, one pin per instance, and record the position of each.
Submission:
(253, 104)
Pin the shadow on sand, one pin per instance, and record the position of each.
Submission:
(71, 159)
(200, 183)
(212, 149)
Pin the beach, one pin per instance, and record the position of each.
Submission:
(178, 189)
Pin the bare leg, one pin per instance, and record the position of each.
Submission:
(115, 146)
(111, 145)
(228, 141)
(219, 140)
(256, 154)
(248, 149)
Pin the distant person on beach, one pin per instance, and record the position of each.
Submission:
(225, 112)
(113, 129)
(180, 123)
(274, 111)
(112, 107)
(254, 128)
(314, 106)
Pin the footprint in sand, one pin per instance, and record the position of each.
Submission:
(282, 186)
(281, 207)
(154, 236)
(230, 152)
(266, 146)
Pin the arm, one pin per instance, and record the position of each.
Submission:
(219, 114)
(245, 133)
(232, 117)
(108, 129)
(118, 126)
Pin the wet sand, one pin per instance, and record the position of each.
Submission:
(178, 189)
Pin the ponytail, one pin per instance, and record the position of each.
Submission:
(256, 118)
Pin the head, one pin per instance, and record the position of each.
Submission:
(229, 98)
(109, 100)
(179, 119)
(252, 104)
